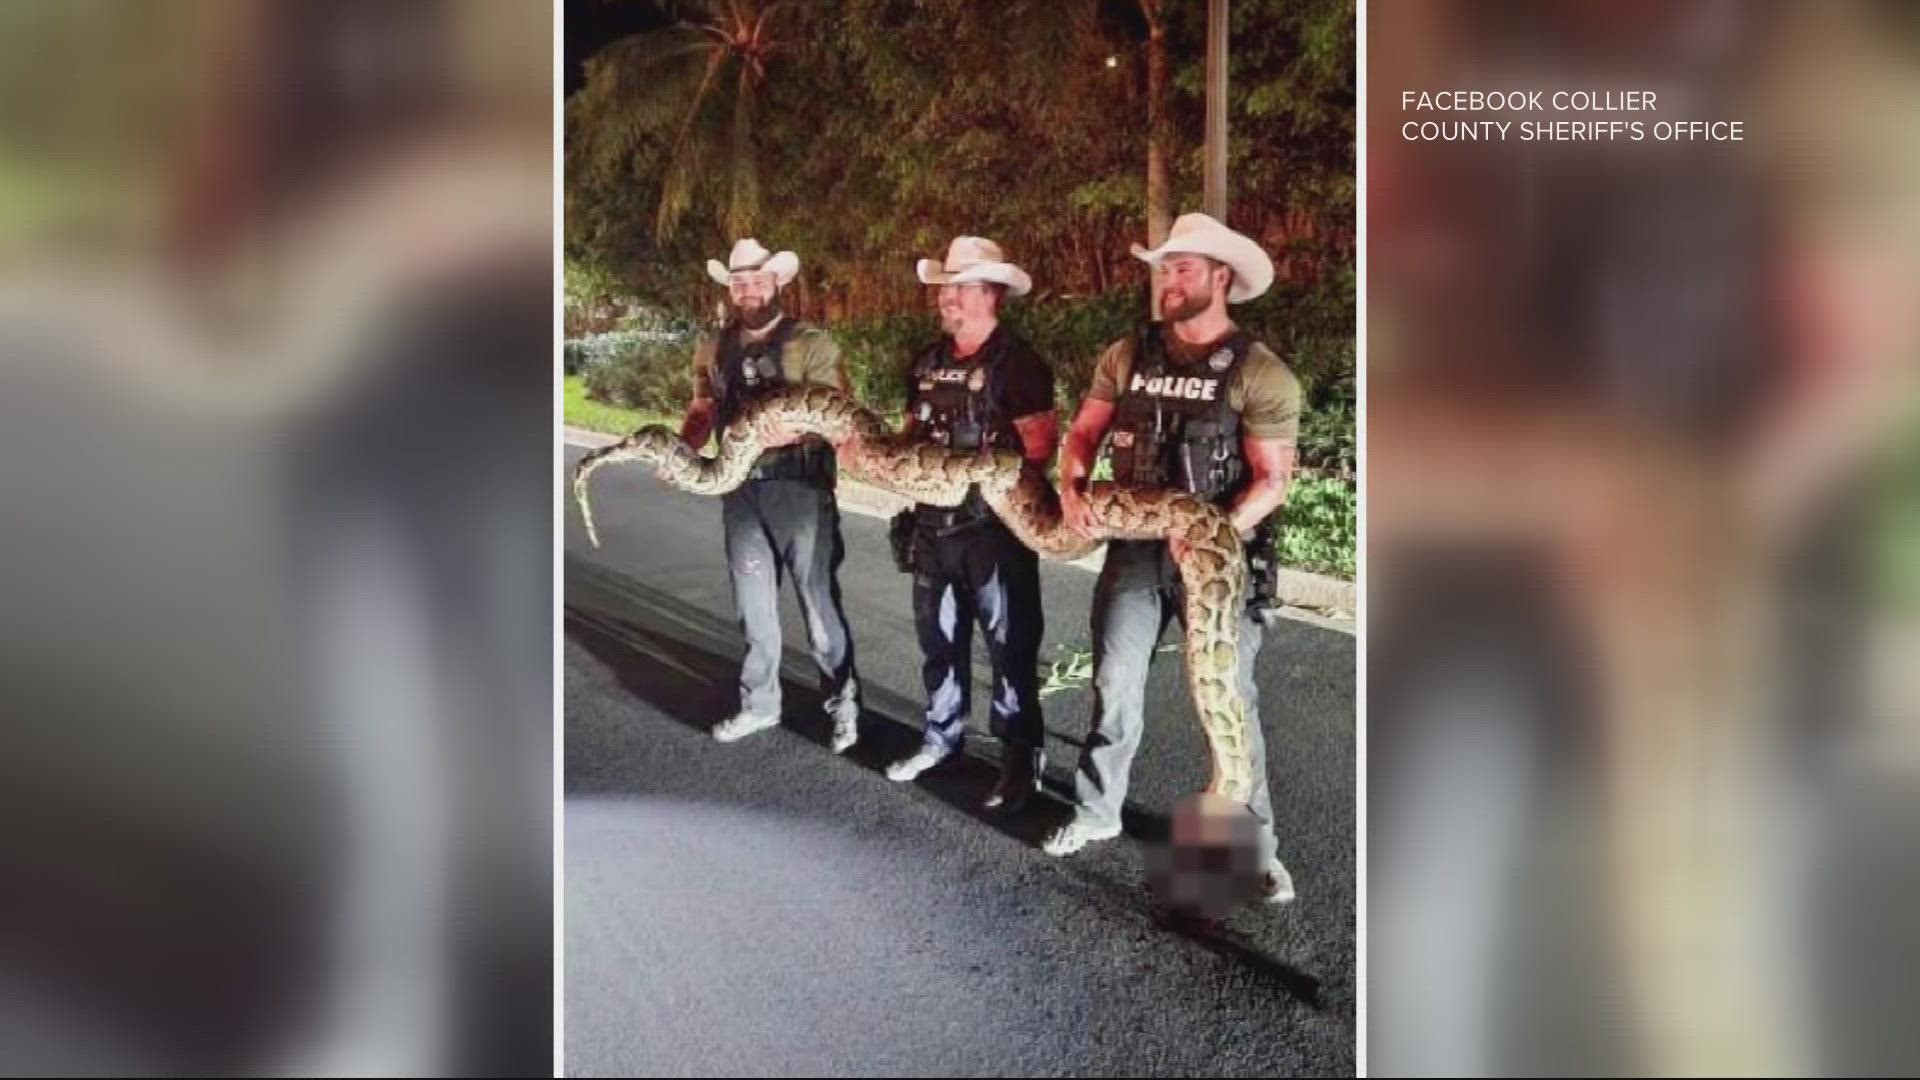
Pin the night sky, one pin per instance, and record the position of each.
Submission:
(591, 24)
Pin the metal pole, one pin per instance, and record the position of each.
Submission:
(1216, 152)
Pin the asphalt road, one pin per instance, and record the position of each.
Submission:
(767, 908)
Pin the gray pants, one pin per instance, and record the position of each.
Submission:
(775, 528)
(1132, 605)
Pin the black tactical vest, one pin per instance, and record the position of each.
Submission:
(959, 401)
(1172, 426)
(744, 372)
(959, 404)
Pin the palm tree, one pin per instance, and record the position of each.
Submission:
(697, 83)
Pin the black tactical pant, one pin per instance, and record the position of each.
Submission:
(980, 573)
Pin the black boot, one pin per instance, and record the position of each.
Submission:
(1020, 768)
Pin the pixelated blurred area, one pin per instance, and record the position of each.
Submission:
(1209, 866)
(1641, 541)
(276, 299)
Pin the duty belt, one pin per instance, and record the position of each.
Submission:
(948, 520)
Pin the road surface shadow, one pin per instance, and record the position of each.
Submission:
(1130, 901)
(1229, 945)
(685, 661)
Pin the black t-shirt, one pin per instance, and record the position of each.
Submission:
(1025, 382)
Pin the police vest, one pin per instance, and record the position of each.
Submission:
(959, 401)
(1172, 426)
(959, 404)
(745, 371)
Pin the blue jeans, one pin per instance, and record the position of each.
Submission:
(1134, 600)
(776, 528)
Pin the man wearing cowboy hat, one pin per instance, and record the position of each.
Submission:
(980, 387)
(1195, 404)
(784, 520)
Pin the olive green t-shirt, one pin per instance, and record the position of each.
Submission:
(810, 356)
(1263, 390)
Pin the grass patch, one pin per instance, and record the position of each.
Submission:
(584, 412)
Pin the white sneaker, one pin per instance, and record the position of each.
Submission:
(1076, 834)
(908, 768)
(846, 727)
(741, 725)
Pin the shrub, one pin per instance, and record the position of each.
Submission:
(643, 372)
(1319, 526)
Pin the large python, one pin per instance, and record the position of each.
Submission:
(1213, 567)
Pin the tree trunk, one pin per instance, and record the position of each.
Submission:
(1100, 260)
(1216, 171)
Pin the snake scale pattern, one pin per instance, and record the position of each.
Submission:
(1213, 568)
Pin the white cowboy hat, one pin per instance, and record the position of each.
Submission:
(971, 259)
(747, 254)
(1198, 234)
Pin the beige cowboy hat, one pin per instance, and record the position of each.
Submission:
(973, 259)
(1198, 234)
(747, 254)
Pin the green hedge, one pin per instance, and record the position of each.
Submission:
(647, 374)
(1319, 526)
(878, 353)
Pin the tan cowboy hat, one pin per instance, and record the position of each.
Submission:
(747, 254)
(974, 259)
(1198, 234)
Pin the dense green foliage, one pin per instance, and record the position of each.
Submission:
(1320, 526)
